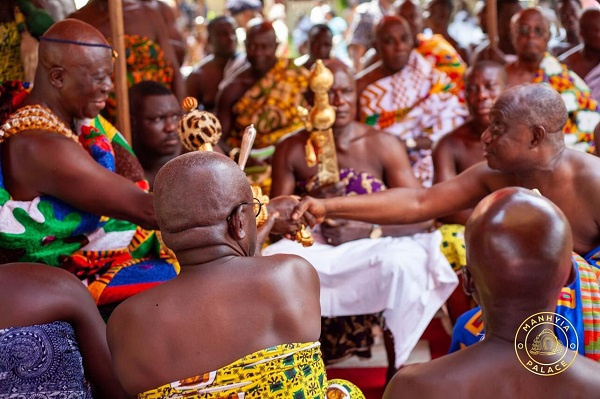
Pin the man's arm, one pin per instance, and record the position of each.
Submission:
(193, 85)
(444, 168)
(48, 163)
(226, 99)
(164, 42)
(403, 205)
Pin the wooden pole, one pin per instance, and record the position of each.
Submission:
(115, 10)
(492, 22)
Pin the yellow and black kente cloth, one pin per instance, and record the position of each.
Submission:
(283, 371)
(271, 104)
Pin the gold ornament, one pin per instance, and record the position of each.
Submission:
(35, 117)
(198, 130)
(305, 237)
(264, 199)
(320, 147)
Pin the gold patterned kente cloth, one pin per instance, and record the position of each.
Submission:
(271, 105)
(283, 371)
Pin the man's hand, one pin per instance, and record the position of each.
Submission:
(340, 231)
(284, 224)
(312, 210)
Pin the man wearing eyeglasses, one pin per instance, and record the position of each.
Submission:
(254, 321)
(530, 34)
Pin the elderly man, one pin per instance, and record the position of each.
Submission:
(266, 93)
(512, 286)
(585, 60)
(405, 95)
(530, 33)
(256, 320)
(524, 146)
(203, 83)
(62, 204)
(436, 49)
(364, 268)
(461, 149)
(155, 112)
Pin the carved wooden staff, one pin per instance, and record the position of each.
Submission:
(492, 22)
(115, 10)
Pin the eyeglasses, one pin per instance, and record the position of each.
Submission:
(255, 202)
(525, 30)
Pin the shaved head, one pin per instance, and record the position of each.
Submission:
(389, 21)
(518, 249)
(74, 71)
(335, 65)
(534, 105)
(53, 53)
(198, 189)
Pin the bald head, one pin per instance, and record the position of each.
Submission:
(198, 189)
(388, 22)
(53, 49)
(530, 33)
(259, 26)
(518, 248)
(534, 105)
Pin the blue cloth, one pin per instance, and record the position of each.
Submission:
(42, 361)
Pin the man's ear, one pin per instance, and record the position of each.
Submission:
(572, 274)
(467, 282)
(538, 135)
(236, 224)
(56, 76)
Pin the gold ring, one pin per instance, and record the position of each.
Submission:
(329, 240)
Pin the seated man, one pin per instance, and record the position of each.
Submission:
(530, 33)
(519, 249)
(568, 14)
(154, 113)
(149, 53)
(435, 49)
(524, 146)
(256, 319)
(359, 272)
(584, 59)
(203, 83)
(53, 340)
(461, 149)
(320, 42)
(62, 203)
(440, 13)
(266, 93)
(405, 95)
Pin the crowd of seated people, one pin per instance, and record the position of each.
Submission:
(179, 280)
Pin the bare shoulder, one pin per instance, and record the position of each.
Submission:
(287, 265)
(40, 294)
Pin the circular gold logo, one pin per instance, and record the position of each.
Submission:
(542, 343)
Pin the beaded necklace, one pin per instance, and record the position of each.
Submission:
(34, 117)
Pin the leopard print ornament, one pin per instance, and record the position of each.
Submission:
(198, 130)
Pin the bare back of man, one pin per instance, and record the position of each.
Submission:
(272, 300)
(492, 370)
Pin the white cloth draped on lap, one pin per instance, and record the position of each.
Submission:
(407, 278)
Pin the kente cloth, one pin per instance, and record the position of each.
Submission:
(145, 61)
(444, 57)
(453, 245)
(583, 109)
(415, 102)
(282, 371)
(407, 278)
(578, 302)
(115, 258)
(42, 361)
(592, 79)
(11, 66)
(271, 104)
